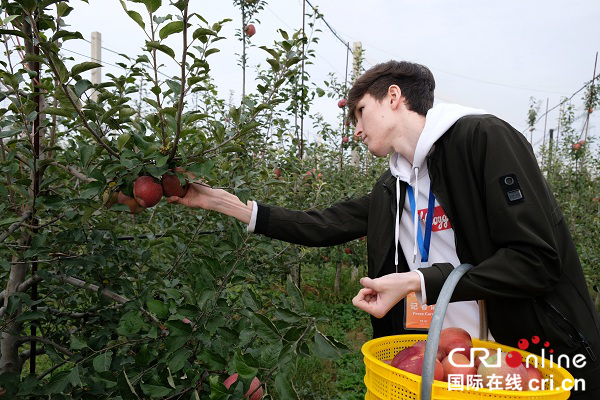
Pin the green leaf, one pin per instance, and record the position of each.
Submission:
(151, 5)
(58, 111)
(137, 18)
(285, 387)
(58, 383)
(30, 316)
(81, 86)
(287, 315)
(324, 348)
(158, 308)
(154, 390)
(265, 328)
(85, 152)
(84, 66)
(161, 47)
(203, 32)
(294, 295)
(170, 28)
(245, 365)
(74, 377)
(122, 140)
(13, 32)
(102, 361)
(65, 35)
(179, 359)
(77, 343)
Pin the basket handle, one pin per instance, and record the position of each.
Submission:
(433, 338)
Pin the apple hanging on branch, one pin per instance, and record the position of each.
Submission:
(147, 191)
(172, 186)
(250, 30)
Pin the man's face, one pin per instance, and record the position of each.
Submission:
(374, 124)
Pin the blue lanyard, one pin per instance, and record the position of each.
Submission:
(423, 242)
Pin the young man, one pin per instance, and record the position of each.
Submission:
(463, 187)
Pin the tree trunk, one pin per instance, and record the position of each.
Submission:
(354, 273)
(338, 278)
(9, 346)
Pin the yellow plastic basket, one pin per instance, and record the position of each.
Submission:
(386, 382)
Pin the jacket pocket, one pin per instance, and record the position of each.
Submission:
(567, 326)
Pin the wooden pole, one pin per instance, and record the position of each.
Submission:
(96, 57)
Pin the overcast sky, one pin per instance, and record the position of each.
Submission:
(486, 54)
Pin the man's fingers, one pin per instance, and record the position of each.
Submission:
(174, 200)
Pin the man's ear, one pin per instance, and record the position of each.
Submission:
(395, 96)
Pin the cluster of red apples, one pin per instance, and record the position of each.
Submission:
(147, 191)
(494, 375)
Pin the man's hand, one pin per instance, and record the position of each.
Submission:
(202, 196)
(381, 294)
(197, 196)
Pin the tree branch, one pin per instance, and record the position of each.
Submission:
(182, 94)
(15, 225)
(103, 292)
(40, 339)
(73, 172)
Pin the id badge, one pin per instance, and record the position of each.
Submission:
(417, 316)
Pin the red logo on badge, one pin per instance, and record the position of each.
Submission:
(440, 219)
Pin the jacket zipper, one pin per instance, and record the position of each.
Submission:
(586, 345)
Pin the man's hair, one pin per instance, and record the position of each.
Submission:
(414, 80)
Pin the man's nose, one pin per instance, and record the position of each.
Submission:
(358, 131)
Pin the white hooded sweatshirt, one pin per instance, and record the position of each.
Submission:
(442, 248)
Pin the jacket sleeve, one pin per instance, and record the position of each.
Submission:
(511, 241)
(337, 224)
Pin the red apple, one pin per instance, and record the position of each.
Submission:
(344, 139)
(535, 377)
(258, 393)
(130, 202)
(347, 122)
(171, 186)
(342, 103)
(250, 30)
(147, 191)
(582, 142)
(576, 146)
(348, 250)
(411, 360)
(453, 338)
(278, 172)
(458, 364)
(495, 377)
(441, 354)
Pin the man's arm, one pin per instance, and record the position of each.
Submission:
(202, 196)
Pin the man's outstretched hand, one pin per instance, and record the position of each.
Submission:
(202, 196)
(379, 295)
(197, 196)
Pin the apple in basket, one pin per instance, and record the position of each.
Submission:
(411, 360)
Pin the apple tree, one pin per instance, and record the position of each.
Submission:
(100, 300)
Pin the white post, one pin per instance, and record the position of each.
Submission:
(356, 66)
(96, 57)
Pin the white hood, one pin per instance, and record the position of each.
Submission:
(438, 120)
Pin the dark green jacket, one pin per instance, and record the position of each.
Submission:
(526, 264)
